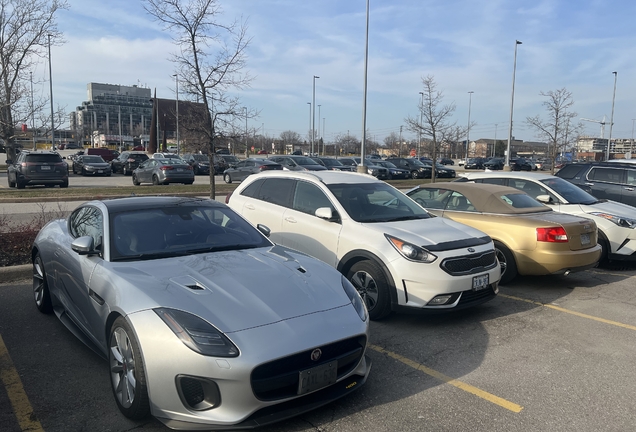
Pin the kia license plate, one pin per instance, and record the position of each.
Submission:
(318, 377)
(585, 239)
(480, 282)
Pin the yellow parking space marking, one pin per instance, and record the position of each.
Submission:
(17, 396)
(571, 312)
(448, 380)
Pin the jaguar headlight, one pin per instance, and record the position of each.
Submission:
(354, 296)
(410, 251)
(621, 221)
(197, 334)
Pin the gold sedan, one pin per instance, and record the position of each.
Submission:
(530, 238)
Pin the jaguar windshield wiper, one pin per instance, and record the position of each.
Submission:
(219, 248)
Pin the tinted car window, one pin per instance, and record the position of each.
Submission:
(309, 198)
(39, 158)
(611, 175)
(571, 171)
(522, 201)
(87, 221)
(277, 191)
(253, 189)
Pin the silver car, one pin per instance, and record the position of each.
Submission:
(163, 171)
(204, 322)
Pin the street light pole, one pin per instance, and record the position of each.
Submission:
(419, 131)
(470, 99)
(246, 152)
(176, 82)
(318, 130)
(631, 147)
(494, 144)
(313, 115)
(33, 113)
(309, 103)
(51, 90)
(609, 141)
(512, 103)
(362, 168)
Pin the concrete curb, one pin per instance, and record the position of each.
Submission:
(14, 273)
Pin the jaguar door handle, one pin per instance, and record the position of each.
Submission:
(250, 207)
(290, 219)
(629, 189)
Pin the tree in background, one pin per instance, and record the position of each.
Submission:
(210, 62)
(392, 142)
(26, 27)
(435, 117)
(289, 138)
(560, 127)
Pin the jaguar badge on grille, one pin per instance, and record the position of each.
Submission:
(471, 250)
(316, 354)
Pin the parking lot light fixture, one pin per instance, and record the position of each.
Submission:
(512, 103)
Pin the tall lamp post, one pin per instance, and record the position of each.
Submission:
(609, 140)
(419, 130)
(631, 147)
(313, 115)
(512, 103)
(33, 114)
(51, 90)
(470, 99)
(176, 82)
(318, 129)
(309, 103)
(246, 152)
(362, 168)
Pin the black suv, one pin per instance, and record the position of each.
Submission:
(200, 163)
(614, 181)
(128, 161)
(37, 168)
(415, 167)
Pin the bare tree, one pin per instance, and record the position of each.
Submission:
(291, 138)
(210, 61)
(26, 27)
(435, 118)
(560, 127)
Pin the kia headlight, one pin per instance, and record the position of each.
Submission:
(621, 221)
(354, 296)
(410, 251)
(197, 334)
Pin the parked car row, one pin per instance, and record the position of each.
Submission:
(186, 296)
(616, 221)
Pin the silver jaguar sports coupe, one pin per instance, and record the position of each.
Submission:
(204, 322)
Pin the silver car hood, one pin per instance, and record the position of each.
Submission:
(425, 232)
(237, 290)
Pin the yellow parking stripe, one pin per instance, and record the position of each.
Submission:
(448, 380)
(18, 398)
(579, 314)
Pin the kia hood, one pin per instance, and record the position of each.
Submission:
(433, 231)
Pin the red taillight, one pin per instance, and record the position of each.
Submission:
(264, 167)
(189, 167)
(166, 168)
(130, 160)
(553, 235)
(227, 198)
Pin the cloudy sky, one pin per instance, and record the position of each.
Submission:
(466, 45)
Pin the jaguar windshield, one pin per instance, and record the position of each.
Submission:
(570, 192)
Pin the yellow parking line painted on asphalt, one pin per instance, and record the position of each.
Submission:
(17, 396)
(448, 380)
(579, 314)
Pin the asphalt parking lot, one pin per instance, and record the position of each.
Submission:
(549, 353)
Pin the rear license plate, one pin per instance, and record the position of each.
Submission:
(45, 168)
(179, 169)
(480, 282)
(585, 239)
(316, 378)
